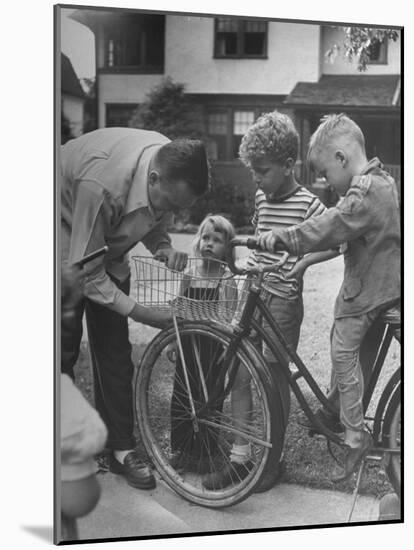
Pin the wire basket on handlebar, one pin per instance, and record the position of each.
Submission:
(190, 294)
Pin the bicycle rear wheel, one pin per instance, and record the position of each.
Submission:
(187, 445)
(392, 440)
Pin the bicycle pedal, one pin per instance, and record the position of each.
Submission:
(373, 457)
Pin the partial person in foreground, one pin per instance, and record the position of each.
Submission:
(368, 220)
(120, 186)
(82, 431)
(83, 435)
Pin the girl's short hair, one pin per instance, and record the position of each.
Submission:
(273, 135)
(335, 126)
(220, 224)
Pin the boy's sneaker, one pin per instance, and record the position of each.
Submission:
(270, 478)
(232, 472)
(353, 458)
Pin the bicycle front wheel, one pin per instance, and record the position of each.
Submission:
(392, 441)
(189, 413)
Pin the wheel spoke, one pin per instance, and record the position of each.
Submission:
(235, 431)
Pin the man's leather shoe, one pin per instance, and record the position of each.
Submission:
(233, 472)
(329, 420)
(270, 478)
(136, 473)
(353, 458)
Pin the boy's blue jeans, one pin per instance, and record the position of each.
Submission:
(347, 336)
(288, 314)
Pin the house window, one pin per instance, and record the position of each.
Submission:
(242, 120)
(240, 38)
(378, 52)
(217, 124)
(225, 128)
(135, 42)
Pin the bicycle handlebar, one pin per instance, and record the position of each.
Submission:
(252, 244)
(248, 242)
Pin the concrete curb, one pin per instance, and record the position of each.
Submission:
(127, 512)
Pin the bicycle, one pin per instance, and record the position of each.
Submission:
(210, 413)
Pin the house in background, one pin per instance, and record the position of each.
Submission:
(73, 98)
(371, 98)
(236, 69)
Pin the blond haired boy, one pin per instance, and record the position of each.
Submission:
(368, 220)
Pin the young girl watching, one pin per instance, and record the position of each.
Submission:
(203, 281)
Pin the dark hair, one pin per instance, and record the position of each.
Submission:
(185, 159)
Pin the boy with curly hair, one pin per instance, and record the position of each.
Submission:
(270, 149)
(368, 220)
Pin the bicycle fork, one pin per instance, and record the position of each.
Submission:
(186, 379)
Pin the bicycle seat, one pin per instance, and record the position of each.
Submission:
(392, 315)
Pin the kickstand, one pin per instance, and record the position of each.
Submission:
(355, 493)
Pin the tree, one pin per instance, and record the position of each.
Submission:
(90, 108)
(358, 43)
(169, 111)
(65, 129)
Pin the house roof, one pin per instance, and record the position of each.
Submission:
(94, 18)
(348, 90)
(70, 82)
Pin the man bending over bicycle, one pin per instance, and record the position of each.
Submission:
(368, 219)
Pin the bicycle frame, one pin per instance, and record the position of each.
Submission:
(278, 345)
(255, 306)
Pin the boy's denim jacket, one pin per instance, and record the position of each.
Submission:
(368, 219)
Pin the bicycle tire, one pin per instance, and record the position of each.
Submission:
(392, 440)
(154, 391)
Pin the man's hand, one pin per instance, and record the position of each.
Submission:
(174, 259)
(152, 317)
(267, 241)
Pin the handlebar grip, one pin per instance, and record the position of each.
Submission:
(248, 242)
(252, 243)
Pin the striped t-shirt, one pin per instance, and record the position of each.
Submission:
(292, 209)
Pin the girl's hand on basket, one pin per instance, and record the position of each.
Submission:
(174, 259)
(152, 317)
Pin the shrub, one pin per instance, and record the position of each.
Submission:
(167, 110)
